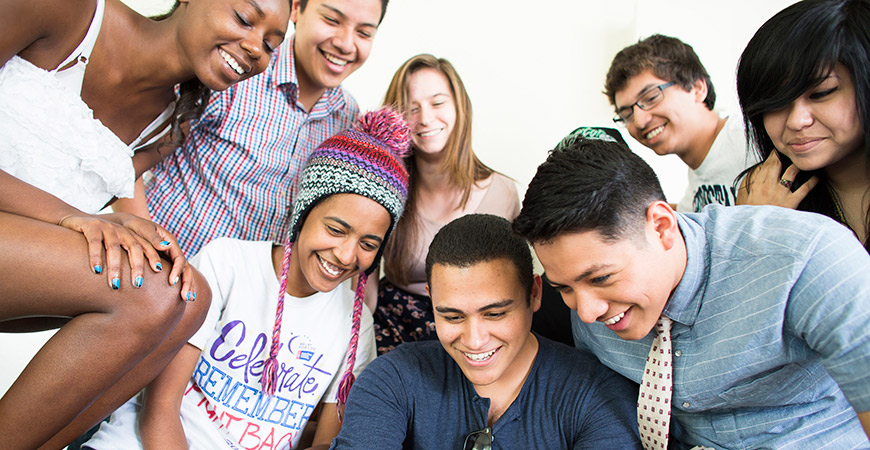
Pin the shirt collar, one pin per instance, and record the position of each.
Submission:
(685, 302)
(285, 77)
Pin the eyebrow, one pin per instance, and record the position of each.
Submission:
(262, 15)
(496, 305)
(642, 91)
(256, 7)
(586, 274)
(347, 225)
(343, 16)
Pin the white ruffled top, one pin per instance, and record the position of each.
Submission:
(50, 139)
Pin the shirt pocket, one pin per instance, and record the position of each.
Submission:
(781, 386)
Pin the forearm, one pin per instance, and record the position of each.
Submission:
(160, 419)
(160, 428)
(23, 199)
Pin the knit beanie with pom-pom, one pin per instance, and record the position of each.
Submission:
(364, 160)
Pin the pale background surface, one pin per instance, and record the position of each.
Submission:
(534, 73)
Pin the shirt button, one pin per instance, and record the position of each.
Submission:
(678, 353)
(685, 404)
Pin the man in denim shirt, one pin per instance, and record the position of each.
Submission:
(769, 307)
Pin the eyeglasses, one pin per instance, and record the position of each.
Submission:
(479, 440)
(648, 100)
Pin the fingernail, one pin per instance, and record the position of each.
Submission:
(98, 269)
(164, 243)
(138, 283)
(175, 281)
(116, 284)
(191, 296)
(158, 266)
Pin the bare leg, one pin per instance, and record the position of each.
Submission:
(115, 342)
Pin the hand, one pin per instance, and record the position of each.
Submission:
(141, 239)
(765, 186)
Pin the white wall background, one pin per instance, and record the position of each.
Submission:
(534, 71)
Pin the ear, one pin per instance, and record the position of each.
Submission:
(535, 299)
(427, 291)
(699, 88)
(295, 11)
(661, 225)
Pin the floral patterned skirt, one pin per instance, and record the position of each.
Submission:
(401, 317)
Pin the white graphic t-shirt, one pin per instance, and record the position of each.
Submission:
(223, 406)
(713, 180)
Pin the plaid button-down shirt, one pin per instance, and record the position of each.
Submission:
(236, 174)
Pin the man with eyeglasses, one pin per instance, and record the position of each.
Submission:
(664, 97)
(489, 383)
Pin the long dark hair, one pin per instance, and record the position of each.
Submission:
(793, 52)
(192, 99)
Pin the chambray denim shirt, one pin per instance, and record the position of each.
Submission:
(771, 332)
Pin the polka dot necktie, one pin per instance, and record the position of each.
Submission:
(654, 399)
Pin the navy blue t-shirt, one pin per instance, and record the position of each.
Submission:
(416, 397)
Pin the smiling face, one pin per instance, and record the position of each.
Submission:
(431, 110)
(333, 39)
(821, 127)
(483, 318)
(340, 238)
(669, 127)
(239, 37)
(625, 283)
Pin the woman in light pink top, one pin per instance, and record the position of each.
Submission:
(447, 182)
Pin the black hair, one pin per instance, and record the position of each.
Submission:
(304, 3)
(192, 99)
(477, 238)
(588, 185)
(792, 53)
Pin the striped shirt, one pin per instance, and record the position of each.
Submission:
(236, 174)
(770, 338)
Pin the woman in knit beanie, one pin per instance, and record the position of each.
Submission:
(262, 363)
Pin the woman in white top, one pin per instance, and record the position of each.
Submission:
(84, 83)
(447, 182)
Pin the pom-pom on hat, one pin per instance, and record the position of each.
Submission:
(364, 160)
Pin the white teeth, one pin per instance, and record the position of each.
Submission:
(330, 268)
(429, 133)
(655, 132)
(232, 62)
(480, 356)
(334, 60)
(614, 319)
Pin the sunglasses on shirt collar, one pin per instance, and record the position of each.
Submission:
(479, 440)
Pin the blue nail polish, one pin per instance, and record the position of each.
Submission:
(98, 269)
(164, 243)
(191, 296)
(159, 266)
(116, 284)
(175, 281)
(138, 283)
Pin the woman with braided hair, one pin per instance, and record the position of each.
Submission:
(262, 363)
